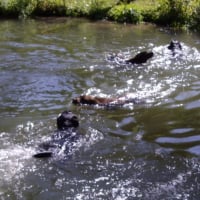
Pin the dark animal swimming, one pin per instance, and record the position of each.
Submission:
(140, 58)
(63, 139)
(91, 100)
(174, 45)
(43, 154)
(102, 101)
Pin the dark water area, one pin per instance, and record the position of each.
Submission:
(145, 151)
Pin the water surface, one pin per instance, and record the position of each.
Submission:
(145, 151)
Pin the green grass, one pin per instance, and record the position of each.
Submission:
(174, 13)
(134, 12)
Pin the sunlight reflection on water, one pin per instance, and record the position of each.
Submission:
(148, 150)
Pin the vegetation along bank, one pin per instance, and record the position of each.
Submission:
(174, 13)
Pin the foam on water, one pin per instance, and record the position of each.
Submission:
(12, 160)
(140, 152)
(175, 67)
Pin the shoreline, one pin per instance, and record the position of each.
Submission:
(168, 13)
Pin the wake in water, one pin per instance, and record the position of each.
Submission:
(163, 55)
(174, 62)
(16, 160)
(12, 160)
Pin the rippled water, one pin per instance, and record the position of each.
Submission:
(145, 151)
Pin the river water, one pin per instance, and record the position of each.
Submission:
(146, 151)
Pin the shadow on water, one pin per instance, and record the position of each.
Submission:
(145, 151)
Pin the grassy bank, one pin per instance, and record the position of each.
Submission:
(176, 13)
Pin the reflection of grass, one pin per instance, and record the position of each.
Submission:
(167, 12)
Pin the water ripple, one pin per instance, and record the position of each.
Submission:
(44, 64)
